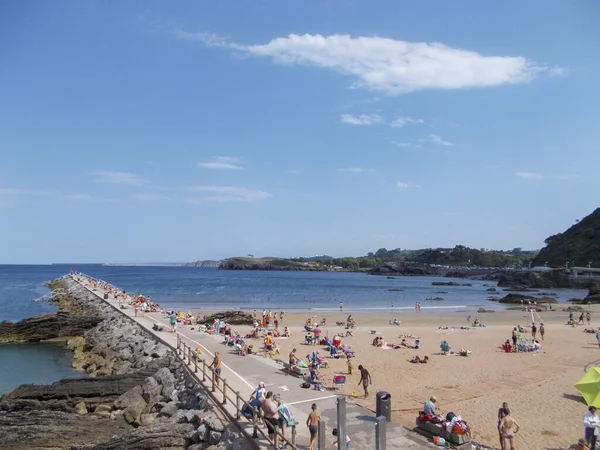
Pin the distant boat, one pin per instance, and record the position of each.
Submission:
(391, 278)
(394, 289)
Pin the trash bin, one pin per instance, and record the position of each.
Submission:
(384, 405)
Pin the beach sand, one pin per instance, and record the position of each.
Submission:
(539, 388)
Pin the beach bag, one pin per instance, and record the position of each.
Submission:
(339, 379)
(305, 385)
(460, 428)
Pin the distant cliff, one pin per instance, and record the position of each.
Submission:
(205, 263)
(271, 264)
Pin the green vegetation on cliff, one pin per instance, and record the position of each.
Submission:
(579, 245)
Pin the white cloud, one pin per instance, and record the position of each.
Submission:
(402, 185)
(405, 144)
(223, 163)
(355, 170)
(436, 139)
(292, 172)
(387, 65)
(118, 178)
(27, 192)
(150, 197)
(78, 197)
(558, 71)
(363, 119)
(403, 121)
(530, 175)
(227, 194)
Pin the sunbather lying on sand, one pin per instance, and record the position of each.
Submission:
(589, 330)
(417, 360)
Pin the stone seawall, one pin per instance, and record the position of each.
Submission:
(138, 394)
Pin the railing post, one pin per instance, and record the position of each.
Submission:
(196, 363)
(224, 391)
(203, 370)
(237, 405)
(294, 434)
(190, 355)
(213, 375)
(255, 422)
(380, 436)
(341, 422)
(321, 436)
(178, 345)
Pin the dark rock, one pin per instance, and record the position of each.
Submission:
(214, 424)
(151, 389)
(169, 409)
(158, 436)
(214, 437)
(231, 317)
(46, 326)
(483, 310)
(449, 283)
(525, 299)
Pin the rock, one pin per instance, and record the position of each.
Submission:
(214, 424)
(131, 396)
(449, 283)
(160, 351)
(483, 310)
(169, 409)
(166, 378)
(178, 417)
(158, 436)
(214, 437)
(103, 410)
(76, 343)
(491, 290)
(134, 410)
(525, 299)
(148, 419)
(80, 408)
(202, 432)
(196, 447)
(573, 309)
(151, 389)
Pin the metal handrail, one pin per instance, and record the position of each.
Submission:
(185, 352)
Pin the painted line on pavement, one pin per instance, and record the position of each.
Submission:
(311, 400)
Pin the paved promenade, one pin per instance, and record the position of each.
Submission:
(244, 373)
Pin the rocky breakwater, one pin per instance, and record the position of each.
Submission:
(138, 395)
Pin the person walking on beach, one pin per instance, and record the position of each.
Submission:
(293, 361)
(312, 422)
(217, 366)
(501, 415)
(509, 428)
(173, 321)
(588, 317)
(365, 379)
(591, 422)
(341, 306)
(542, 331)
(533, 331)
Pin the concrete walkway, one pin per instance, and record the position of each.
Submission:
(244, 373)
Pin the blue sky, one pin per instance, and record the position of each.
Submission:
(176, 131)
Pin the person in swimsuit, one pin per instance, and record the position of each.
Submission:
(312, 422)
(533, 331)
(542, 331)
(217, 365)
(508, 429)
(514, 337)
(293, 361)
(501, 415)
(365, 379)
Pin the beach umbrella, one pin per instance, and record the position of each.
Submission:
(589, 386)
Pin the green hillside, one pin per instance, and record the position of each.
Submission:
(579, 245)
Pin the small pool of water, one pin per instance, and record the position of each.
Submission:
(37, 363)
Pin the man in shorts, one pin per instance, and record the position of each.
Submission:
(312, 422)
(365, 379)
(293, 361)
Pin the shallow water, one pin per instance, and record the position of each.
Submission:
(34, 363)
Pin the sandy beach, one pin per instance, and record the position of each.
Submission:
(539, 387)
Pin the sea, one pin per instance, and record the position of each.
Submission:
(208, 289)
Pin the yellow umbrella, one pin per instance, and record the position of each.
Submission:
(589, 386)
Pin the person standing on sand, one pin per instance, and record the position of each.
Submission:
(501, 415)
(592, 425)
(533, 331)
(341, 306)
(317, 335)
(293, 361)
(509, 428)
(312, 422)
(588, 317)
(217, 365)
(542, 331)
(365, 379)
(515, 335)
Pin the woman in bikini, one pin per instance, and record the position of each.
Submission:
(508, 429)
(501, 415)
